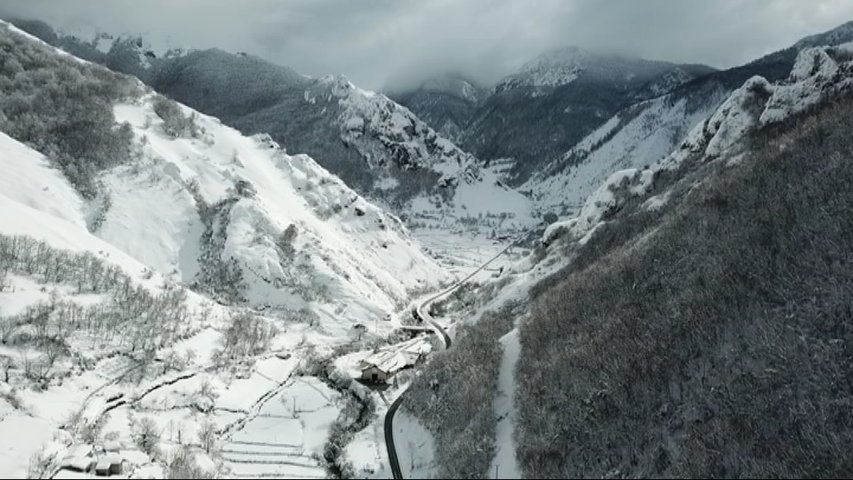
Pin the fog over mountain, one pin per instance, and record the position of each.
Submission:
(382, 42)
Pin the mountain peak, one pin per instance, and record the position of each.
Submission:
(564, 65)
(454, 84)
(838, 35)
(558, 66)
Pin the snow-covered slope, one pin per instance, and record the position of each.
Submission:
(372, 122)
(633, 138)
(646, 134)
(132, 305)
(212, 203)
(359, 255)
(557, 99)
(378, 147)
(819, 75)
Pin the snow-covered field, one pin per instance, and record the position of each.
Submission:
(285, 438)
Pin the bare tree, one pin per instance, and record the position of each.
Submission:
(207, 435)
(146, 434)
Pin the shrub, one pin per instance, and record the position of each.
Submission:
(207, 436)
(285, 242)
(183, 465)
(132, 316)
(247, 335)
(175, 123)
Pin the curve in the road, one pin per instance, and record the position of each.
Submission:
(423, 312)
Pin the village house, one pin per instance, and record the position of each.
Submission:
(388, 361)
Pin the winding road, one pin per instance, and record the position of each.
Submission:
(422, 311)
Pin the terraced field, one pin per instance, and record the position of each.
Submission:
(285, 439)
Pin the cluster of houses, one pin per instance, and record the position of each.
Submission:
(103, 460)
(388, 361)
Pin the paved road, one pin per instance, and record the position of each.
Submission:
(423, 311)
(389, 438)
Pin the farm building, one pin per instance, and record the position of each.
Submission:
(109, 465)
(79, 458)
(385, 363)
(374, 374)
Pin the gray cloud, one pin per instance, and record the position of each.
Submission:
(377, 41)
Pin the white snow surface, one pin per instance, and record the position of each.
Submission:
(29, 179)
(415, 446)
(505, 464)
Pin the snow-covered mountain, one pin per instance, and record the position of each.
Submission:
(228, 197)
(446, 103)
(173, 286)
(534, 115)
(633, 138)
(150, 292)
(372, 143)
(647, 131)
(562, 66)
(720, 216)
(455, 85)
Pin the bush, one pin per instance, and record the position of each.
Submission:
(207, 437)
(175, 123)
(247, 335)
(219, 276)
(285, 242)
(183, 465)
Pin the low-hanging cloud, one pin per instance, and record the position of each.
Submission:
(380, 41)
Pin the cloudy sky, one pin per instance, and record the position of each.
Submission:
(379, 42)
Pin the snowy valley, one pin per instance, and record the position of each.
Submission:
(281, 276)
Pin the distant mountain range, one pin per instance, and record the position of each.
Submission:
(375, 145)
(551, 103)
(566, 118)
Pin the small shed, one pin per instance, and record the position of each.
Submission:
(374, 374)
(109, 465)
(79, 458)
(102, 469)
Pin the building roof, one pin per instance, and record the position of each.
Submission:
(396, 357)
